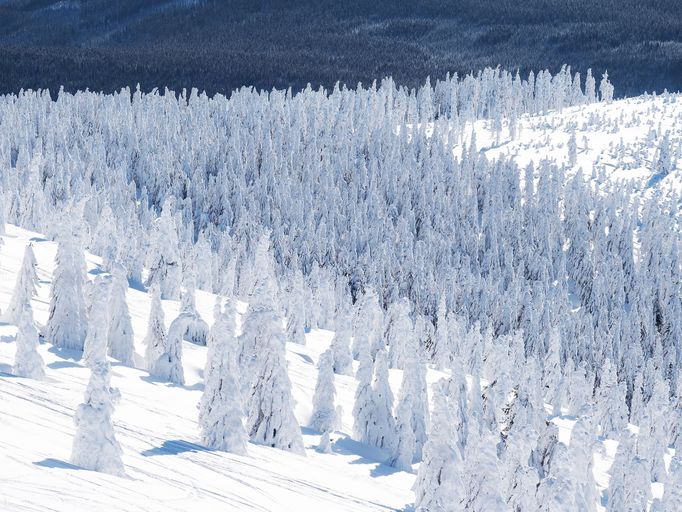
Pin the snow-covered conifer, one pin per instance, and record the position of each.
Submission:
(439, 485)
(155, 339)
(165, 267)
(343, 362)
(67, 323)
(27, 361)
(120, 334)
(382, 424)
(364, 396)
(95, 350)
(672, 491)
(270, 405)
(94, 444)
(25, 287)
(220, 410)
(324, 413)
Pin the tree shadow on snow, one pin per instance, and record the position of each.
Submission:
(58, 365)
(64, 353)
(174, 447)
(366, 455)
(55, 463)
(197, 386)
(6, 370)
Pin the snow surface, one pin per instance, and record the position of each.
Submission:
(156, 423)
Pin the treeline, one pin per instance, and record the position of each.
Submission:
(221, 46)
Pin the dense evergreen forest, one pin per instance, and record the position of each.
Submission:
(218, 46)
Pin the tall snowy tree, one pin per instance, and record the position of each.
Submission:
(27, 360)
(439, 485)
(95, 351)
(120, 335)
(382, 424)
(165, 267)
(220, 410)
(323, 417)
(67, 322)
(155, 339)
(342, 338)
(25, 287)
(270, 405)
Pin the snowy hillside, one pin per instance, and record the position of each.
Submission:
(482, 278)
(156, 424)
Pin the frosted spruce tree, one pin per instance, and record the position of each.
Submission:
(295, 308)
(382, 424)
(120, 335)
(270, 405)
(220, 410)
(197, 328)
(364, 396)
(155, 339)
(612, 413)
(27, 360)
(94, 444)
(340, 345)
(168, 365)
(25, 287)
(67, 322)
(630, 485)
(165, 267)
(95, 351)
(439, 485)
(323, 415)
(672, 492)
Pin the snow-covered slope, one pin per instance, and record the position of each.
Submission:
(156, 423)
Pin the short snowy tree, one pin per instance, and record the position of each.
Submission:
(220, 410)
(168, 365)
(25, 287)
(67, 322)
(197, 328)
(94, 445)
(295, 309)
(27, 361)
(120, 333)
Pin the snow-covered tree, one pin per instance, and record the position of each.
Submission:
(439, 485)
(120, 336)
(323, 417)
(197, 328)
(94, 444)
(25, 287)
(155, 339)
(612, 411)
(342, 339)
(630, 485)
(672, 491)
(95, 350)
(220, 410)
(270, 405)
(364, 396)
(67, 322)
(382, 424)
(27, 360)
(168, 364)
(165, 267)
